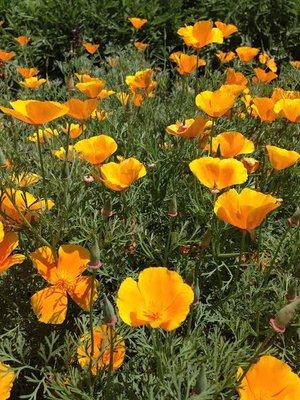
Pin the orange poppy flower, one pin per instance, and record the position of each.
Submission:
(83, 78)
(263, 76)
(264, 58)
(91, 48)
(25, 179)
(225, 57)
(263, 107)
(200, 34)
(215, 104)
(186, 64)
(269, 378)
(295, 64)
(35, 112)
(138, 23)
(235, 78)
(92, 88)
(190, 129)
(217, 174)
(96, 149)
(141, 45)
(43, 134)
(159, 299)
(81, 109)
(119, 176)
(15, 202)
(27, 72)
(105, 341)
(251, 164)
(8, 243)
(281, 158)
(6, 55)
(246, 54)
(61, 153)
(289, 108)
(7, 377)
(141, 85)
(22, 40)
(33, 82)
(231, 144)
(74, 130)
(63, 273)
(279, 94)
(245, 210)
(226, 29)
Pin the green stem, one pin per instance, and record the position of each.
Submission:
(42, 168)
(91, 323)
(242, 250)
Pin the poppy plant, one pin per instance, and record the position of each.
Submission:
(108, 348)
(141, 85)
(262, 76)
(119, 176)
(81, 109)
(190, 129)
(7, 377)
(245, 210)
(91, 48)
(63, 273)
(74, 130)
(9, 241)
(186, 64)
(27, 72)
(137, 23)
(226, 29)
(235, 78)
(246, 54)
(289, 108)
(61, 153)
(33, 82)
(35, 112)
(269, 378)
(43, 135)
(92, 88)
(200, 34)
(16, 205)
(141, 45)
(263, 107)
(159, 298)
(96, 149)
(281, 158)
(6, 55)
(217, 174)
(215, 104)
(264, 58)
(231, 144)
(22, 40)
(225, 57)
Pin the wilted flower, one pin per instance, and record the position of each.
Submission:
(245, 210)
(81, 109)
(160, 299)
(138, 23)
(263, 107)
(35, 112)
(190, 129)
(123, 98)
(22, 40)
(27, 72)
(251, 164)
(100, 115)
(217, 174)
(91, 48)
(186, 64)
(246, 54)
(33, 82)
(262, 76)
(231, 144)
(63, 273)
(109, 349)
(269, 378)
(225, 57)
(7, 377)
(25, 179)
(281, 158)
(289, 108)
(200, 34)
(119, 176)
(96, 149)
(215, 104)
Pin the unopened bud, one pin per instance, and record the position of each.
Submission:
(109, 315)
(291, 293)
(285, 316)
(201, 382)
(295, 218)
(106, 210)
(206, 239)
(95, 262)
(65, 171)
(196, 292)
(172, 212)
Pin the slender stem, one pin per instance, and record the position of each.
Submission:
(242, 250)
(42, 168)
(91, 323)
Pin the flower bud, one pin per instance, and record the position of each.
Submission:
(172, 212)
(206, 239)
(285, 316)
(294, 220)
(106, 210)
(201, 382)
(109, 315)
(95, 262)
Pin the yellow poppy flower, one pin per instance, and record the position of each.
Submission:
(159, 299)
(33, 82)
(245, 210)
(289, 108)
(200, 34)
(281, 158)
(7, 377)
(138, 23)
(217, 174)
(269, 378)
(74, 130)
(279, 94)
(61, 153)
(8, 244)
(96, 149)
(25, 179)
(215, 104)
(105, 341)
(43, 134)
(119, 176)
